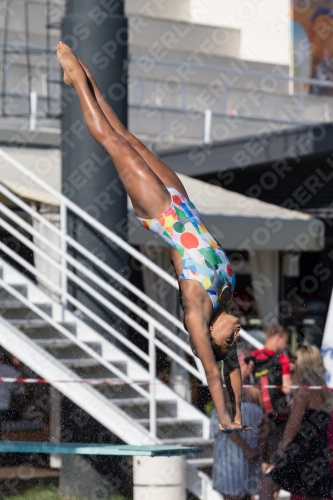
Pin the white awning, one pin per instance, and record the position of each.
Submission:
(236, 221)
(240, 222)
(45, 163)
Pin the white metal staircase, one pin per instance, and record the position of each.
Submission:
(57, 344)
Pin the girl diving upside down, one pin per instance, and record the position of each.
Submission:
(205, 276)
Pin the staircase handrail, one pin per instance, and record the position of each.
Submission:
(65, 202)
(62, 330)
(81, 268)
(90, 220)
(54, 287)
(150, 320)
(198, 373)
(75, 244)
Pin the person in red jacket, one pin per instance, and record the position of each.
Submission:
(272, 367)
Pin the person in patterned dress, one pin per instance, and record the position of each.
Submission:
(161, 203)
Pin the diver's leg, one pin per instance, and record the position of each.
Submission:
(165, 173)
(148, 193)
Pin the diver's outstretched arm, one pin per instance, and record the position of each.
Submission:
(200, 336)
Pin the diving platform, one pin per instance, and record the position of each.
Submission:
(97, 449)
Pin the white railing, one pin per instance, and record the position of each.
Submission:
(148, 90)
(156, 334)
(221, 81)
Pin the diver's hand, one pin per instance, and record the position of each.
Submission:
(234, 427)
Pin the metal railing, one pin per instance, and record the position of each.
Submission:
(229, 88)
(157, 335)
(236, 93)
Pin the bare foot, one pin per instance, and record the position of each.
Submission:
(70, 65)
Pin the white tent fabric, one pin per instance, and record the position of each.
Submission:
(45, 163)
(240, 222)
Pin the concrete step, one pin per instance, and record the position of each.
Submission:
(84, 362)
(124, 392)
(33, 322)
(14, 310)
(67, 350)
(57, 343)
(138, 408)
(205, 465)
(174, 428)
(4, 295)
(92, 369)
(44, 331)
(119, 391)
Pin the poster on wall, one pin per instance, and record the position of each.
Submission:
(312, 38)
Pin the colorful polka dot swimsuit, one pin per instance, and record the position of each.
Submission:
(203, 258)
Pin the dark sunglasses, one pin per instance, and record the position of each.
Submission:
(247, 360)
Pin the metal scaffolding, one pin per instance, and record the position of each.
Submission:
(28, 60)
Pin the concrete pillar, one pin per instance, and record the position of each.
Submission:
(97, 33)
(159, 478)
(55, 425)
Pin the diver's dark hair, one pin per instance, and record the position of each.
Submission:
(216, 350)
